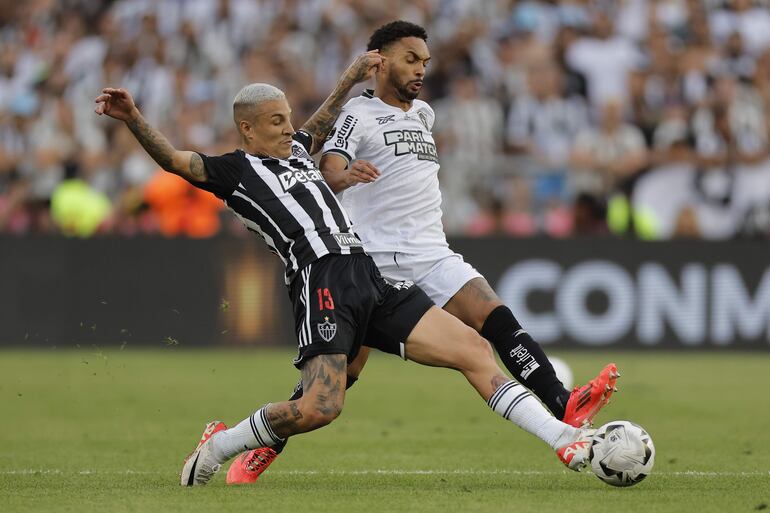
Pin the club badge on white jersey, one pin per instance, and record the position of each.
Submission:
(401, 210)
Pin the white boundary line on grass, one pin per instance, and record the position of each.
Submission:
(376, 472)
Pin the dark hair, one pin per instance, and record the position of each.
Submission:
(392, 32)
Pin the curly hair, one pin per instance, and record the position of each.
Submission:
(392, 32)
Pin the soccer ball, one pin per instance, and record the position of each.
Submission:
(622, 453)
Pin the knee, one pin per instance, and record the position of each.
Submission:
(477, 347)
(483, 346)
(320, 417)
(317, 414)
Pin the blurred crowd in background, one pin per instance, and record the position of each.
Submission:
(640, 118)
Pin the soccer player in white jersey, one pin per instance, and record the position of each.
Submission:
(382, 162)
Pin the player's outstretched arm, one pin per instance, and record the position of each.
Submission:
(340, 176)
(319, 124)
(119, 104)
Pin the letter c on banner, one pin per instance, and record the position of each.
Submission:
(518, 282)
(581, 324)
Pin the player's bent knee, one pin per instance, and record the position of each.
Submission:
(470, 350)
(486, 347)
(322, 416)
(317, 412)
(327, 414)
(479, 351)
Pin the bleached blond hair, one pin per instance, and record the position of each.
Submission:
(251, 96)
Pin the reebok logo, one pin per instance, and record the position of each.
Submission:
(385, 119)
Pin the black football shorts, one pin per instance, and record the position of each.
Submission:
(341, 303)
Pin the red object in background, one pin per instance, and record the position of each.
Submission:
(181, 208)
(558, 222)
(519, 224)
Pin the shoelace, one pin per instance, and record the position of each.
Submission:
(259, 460)
(210, 471)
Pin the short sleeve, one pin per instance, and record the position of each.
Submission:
(345, 137)
(223, 173)
(305, 139)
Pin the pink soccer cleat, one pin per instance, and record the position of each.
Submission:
(586, 401)
(249, 465)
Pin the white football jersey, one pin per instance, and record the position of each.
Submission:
(401, 210)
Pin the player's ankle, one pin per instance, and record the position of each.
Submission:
(568, 436)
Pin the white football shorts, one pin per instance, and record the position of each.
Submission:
(441, 274)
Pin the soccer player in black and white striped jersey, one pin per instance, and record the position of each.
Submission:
(340, 300)
(396, 203)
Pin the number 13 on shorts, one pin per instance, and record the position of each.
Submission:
(325, 299)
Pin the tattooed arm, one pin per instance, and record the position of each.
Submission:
(118, 104)
(319, 124)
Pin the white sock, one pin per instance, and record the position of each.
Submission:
(513, 402)
(252, 432)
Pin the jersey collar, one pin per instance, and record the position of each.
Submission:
(369, 93)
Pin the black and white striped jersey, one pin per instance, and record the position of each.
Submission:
(286, 202)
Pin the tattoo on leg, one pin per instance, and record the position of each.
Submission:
(295, 410)
(479, 289)
(282, 420)
(325, 377)
(323, 369)
(473, 303)
(327, 403)
(499, 380)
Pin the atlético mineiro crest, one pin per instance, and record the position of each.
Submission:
(327, 329)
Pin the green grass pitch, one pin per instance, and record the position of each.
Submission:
(86, 430)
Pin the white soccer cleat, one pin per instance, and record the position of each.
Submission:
(200, 466)
(575, 455)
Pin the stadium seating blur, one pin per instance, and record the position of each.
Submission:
(639, 118)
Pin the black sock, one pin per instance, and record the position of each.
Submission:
(297, 394)
(525, 359)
